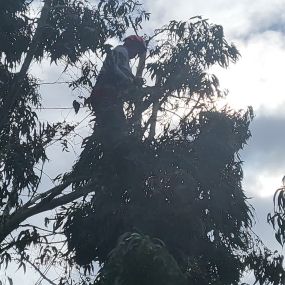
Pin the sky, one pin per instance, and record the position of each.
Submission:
(257, 28)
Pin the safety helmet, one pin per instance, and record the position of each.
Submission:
(137, 40)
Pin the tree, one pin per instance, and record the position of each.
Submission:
(64, 32)
(177, 213)
(165, 205)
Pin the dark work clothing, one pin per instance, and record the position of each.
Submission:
(114, 79)
(111, 126)
(116, 71)
(110, 118)
(107, 101)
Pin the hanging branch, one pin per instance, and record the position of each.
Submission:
(155, 109)
(133, 25)
(138, 109)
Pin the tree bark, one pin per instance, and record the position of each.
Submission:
(48, 203)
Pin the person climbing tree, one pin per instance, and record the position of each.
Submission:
(114, 79)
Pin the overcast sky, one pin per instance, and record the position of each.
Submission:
(257, 27)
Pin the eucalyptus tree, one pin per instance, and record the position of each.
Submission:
(165, 205)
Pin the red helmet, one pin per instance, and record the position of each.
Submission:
(138, 40)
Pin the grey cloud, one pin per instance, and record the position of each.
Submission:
(264, 158)
(241, 19)
(262, 207)
(265, 20)
(266, 148)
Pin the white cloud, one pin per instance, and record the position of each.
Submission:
(262, 184)
(240, 18)
(256, 28)
(257, 78)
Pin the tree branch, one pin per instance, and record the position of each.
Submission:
(153, 117)
(153, 120)
(25, 212)
(53, 192)
(77, 193)
(194, 107)
(137, 112)
(41, 274)
(15, 92)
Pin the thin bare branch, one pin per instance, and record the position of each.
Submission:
(38, 270)
(194, 107)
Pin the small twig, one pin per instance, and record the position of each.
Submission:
(133, 25)
(172, 112)
(38, 270)
(55, 82)
(194, 107)
(43, 172)
(36, 227)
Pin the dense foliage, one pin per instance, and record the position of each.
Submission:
(162, 205)
(27, 37)
(171, 206)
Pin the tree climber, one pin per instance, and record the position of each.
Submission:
(114, 79)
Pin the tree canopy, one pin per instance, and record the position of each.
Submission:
(165, 205)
